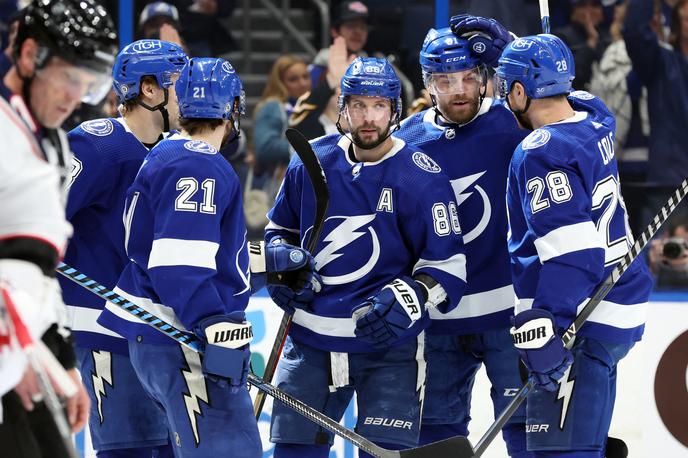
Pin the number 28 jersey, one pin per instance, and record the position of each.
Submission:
(568, 224)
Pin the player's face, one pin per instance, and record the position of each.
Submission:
(57, 89)
(368, 118)
(172, 104)
(457, 94)
(355, 32)
(297, 80)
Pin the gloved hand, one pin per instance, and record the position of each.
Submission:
(297, 282)
(487, 37)
(227, 354)
(541, 349)
(384, 317)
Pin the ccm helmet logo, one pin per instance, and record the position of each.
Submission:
(147, 45)
(455, 59)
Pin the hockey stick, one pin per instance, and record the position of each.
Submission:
(544, 15)
(434, 450)
(593, 302)
(322, 199)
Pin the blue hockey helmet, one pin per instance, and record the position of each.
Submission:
(372, 77)
(444, 52)
(156, 58)
(543, 64)
(209, 88)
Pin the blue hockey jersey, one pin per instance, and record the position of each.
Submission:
(393, 217)
(185, 238)
(569, 225)
(475, 156)
(107, 157)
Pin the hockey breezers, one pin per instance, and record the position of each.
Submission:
(322, 199)
(445, 448)
(597, 297)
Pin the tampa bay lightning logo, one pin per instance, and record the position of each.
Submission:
(582, 95)
(349, 251)
(425, 162)
(200, 146)
(98, 127)
(521, 44)
(536, 139)
(464, 188)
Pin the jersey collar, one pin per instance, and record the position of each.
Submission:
(345, 142)
(578, 116)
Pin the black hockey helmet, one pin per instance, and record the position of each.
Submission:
(78, 31)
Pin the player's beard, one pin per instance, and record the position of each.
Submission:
(523, 121)
(460, 114)
(229, 134)
(369, 143)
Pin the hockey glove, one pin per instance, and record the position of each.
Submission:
(227, 355)
(541, 349)
(297, 281)
(487, 38)
(386, 316)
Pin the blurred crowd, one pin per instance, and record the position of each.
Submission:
(631, 53)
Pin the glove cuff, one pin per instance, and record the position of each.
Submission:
(256, 257)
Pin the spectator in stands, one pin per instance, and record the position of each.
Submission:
(288, 80)
(664, 71)
(350, 21)
(316, 112)
(586, 37)
(668, 257)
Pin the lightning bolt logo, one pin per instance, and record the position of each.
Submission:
(341, 236)
(195, 383)
(565, 392)
(460, 185)
(102, 374)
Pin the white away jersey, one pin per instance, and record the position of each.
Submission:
(393, 217)
(185, 238)
(569, 225)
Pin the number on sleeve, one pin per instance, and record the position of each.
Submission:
(537, 186)
(558, 188)
(440, 219)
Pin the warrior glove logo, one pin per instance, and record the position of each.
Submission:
(229, 335)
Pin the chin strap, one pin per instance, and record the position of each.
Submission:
(162, 108)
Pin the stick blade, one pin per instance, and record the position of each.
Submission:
(455, 447)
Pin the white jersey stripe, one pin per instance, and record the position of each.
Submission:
(455, 266)
(624, 316)
(161, 311)
(84, 319)
(179, 252)
(567, 239)
(479, 304)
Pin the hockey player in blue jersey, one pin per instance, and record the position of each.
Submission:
(472, 137)
(568, 230)
(189, 264)
(391, 249)
(124, 421)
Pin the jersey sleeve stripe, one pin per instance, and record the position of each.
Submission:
(328, 326)
(455, 266)
(567, 239)
(479, 304)
(624, 316)
(180, 252)
(84, 319)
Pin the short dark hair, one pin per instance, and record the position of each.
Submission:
(197, 125)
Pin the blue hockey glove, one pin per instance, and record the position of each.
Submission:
(541, 349)
(383, 318)
(227, 355)
(297, 282)
(486, 37)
